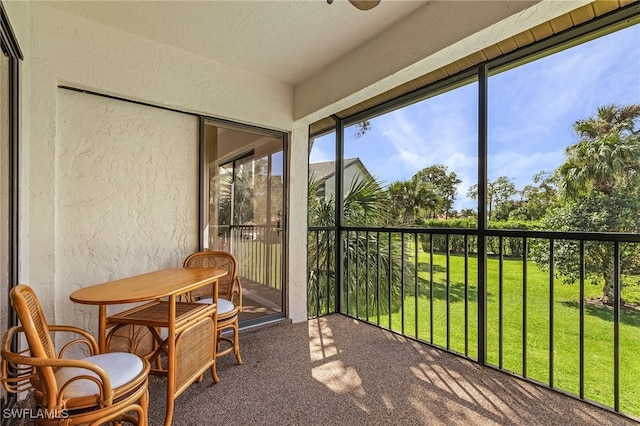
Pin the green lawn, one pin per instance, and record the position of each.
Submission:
(598, 336)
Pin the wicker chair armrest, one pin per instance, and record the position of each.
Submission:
(16, 374)
(87, 338)
(105, 391)
(18, 369)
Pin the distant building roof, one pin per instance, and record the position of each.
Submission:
(324, 170)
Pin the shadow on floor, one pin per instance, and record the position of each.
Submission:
(338, 371)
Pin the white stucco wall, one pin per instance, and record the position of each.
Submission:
(127, 191)
(297, 220)
(85, 54)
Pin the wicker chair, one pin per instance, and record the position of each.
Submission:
(229, 297)
(101, 388)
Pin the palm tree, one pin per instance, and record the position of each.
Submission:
(404, 196)
(365, 205)
(601, 172)
(607, 152)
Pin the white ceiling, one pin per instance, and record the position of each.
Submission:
(286, 40)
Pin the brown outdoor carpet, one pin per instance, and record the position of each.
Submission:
(339, 371)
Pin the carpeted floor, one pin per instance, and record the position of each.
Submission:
(338, 371)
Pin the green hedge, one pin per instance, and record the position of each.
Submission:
(512, 246)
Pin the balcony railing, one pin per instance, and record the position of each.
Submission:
(529, 305)
(258, 250)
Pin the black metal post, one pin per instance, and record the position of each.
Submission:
(551, 309)
(616, 326)
(482, 210)
(339, 213)
(524, 306)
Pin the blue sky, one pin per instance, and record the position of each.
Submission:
(532, 109)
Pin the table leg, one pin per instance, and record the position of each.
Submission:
(102, 328)
(214, 372)
(171, 361)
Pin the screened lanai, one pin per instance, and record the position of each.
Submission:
(116, 158)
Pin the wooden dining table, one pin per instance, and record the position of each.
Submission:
(190, 327)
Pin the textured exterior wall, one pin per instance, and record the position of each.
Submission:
(297, 235)
(83, 53)
(127, 184)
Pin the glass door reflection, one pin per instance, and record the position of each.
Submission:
(246, 201)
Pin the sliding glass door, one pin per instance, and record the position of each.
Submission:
(245, 199)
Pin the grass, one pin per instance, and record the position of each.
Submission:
(508, 352)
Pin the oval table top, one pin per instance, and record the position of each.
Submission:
(149, 286)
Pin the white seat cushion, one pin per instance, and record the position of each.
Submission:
(224, 305)
(121, 367)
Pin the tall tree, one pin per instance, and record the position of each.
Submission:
(403, 196)
(537, 197)
(599, 182)
(500, 194)
(606, 154)
(437, 189)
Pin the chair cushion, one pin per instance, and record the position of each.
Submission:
(224, 305)
(121, 367)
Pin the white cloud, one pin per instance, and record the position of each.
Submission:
(536, 104)
(521, 167)
(428, 135)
